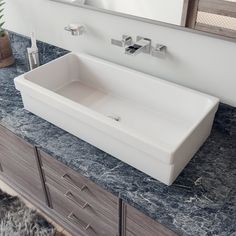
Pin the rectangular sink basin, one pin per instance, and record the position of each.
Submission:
(151, 124)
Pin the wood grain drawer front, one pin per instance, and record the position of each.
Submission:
(23, 177)
(15, 147)
(80, 199)
(81, 214)
(71, 180)
(137, 224)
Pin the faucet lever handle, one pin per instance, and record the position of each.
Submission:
(126, 41)
(159, 51)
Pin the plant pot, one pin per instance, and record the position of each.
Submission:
(6, 57)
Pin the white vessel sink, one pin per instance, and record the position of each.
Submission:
(153, 125)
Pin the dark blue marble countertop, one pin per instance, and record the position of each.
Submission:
(202, 201)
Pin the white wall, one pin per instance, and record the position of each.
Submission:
(200, 62)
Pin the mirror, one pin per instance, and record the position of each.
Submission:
(212, 16)
(168, 11)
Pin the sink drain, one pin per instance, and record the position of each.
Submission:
(114, 117)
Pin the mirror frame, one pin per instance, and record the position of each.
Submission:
(150, 21)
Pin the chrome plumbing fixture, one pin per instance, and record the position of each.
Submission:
(142, 45)
(75, 29)
(159, 51)
(114, 117)
(125, 41)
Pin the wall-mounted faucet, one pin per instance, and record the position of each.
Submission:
(142, 45)
(75, 29)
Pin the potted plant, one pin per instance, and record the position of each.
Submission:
(6, 57)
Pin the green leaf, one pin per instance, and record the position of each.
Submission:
(2, 2)
(1, 24)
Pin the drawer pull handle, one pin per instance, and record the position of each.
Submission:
(74, 218)
(71, 197)
(69, 180)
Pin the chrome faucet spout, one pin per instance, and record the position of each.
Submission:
(142, 45)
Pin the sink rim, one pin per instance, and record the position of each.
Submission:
(98, 117)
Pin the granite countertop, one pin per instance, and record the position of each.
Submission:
(202, 201)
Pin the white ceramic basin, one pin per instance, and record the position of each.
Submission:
(153, 125)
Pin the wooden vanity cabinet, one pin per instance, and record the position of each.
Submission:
(73, 201)
(18, 166)
(136, 223)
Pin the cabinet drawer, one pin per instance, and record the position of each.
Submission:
(23, 177)
(81, 215)
(16, 148)
(71, 180)
(71, 194)
(137, 224)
